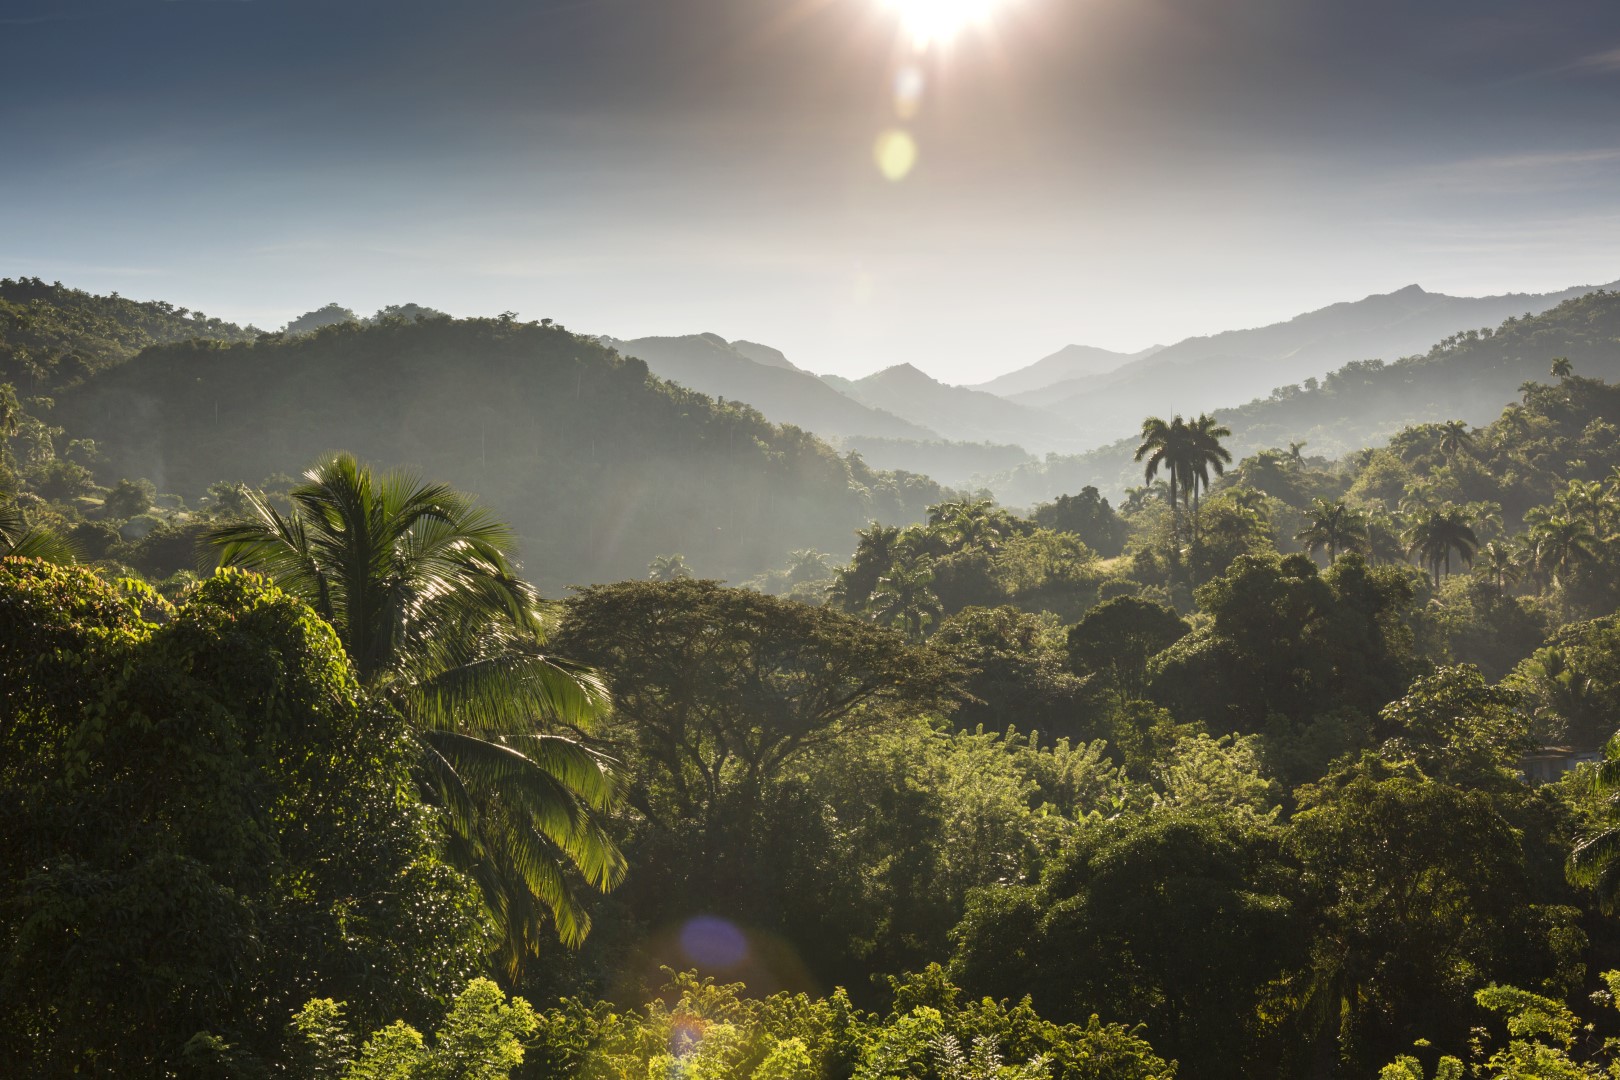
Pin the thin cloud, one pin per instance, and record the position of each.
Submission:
(1600, 62)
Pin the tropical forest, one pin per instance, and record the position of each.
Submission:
(809, 540)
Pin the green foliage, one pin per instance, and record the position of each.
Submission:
(419, 583)
(1421, 892)
(1086, 515)
(532, 417)
(52, 336)
(1290, 651)
(1196, 907)
(204, 822)
(1115, 640)
(1572, 683)
(481, 1038)
(1457, 728)
(712, 1031)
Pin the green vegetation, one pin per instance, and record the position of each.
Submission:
(1283, 766)
(488, 405)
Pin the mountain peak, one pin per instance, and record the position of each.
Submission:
(902, 371)
(1411, 290)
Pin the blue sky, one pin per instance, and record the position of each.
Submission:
(1112, 172)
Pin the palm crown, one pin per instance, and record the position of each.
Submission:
(419, 583)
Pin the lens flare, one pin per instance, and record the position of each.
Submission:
(713, 943)
(931, 22)
(895, 153)
(908, 91)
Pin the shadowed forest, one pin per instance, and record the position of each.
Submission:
(412, 696)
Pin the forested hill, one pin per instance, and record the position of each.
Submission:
(51, 335)
(1468, 376)
(597, 464)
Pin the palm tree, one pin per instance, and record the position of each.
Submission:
(807, 564)
(906, 596)
(1295, 451)
(1503, 564)
(1585, 499)
(1435, 534)
(1560, 543)
(1561, 367)
(1455, 440)
(1335, 527)
(419, 584)
(18, 539)
(973, 524)
(668, 568)
(1168, 447)
(1208, 455)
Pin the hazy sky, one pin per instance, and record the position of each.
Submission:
(1110, 172)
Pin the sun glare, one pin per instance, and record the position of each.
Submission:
(936, 22)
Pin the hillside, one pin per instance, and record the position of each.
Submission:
(956, 411)
(1204, 373)
(763, 377)
(598, 465)
(52, 336)
(1470, 376)
(1069, 362)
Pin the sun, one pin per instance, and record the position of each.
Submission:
(936, 22)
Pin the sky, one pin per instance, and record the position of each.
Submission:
(804, 173)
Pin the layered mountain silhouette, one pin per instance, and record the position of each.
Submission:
(1069, 362)
(957, 411)
(762, 377)
(1226, 369)
(1469, 376)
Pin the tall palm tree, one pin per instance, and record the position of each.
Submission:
(1561, 368)
(1207, 455)
(420, 586)
(1560, 543)
(668, 568)
(24, 541)
(1435, 534)
(1168, 446)
(1335, 527)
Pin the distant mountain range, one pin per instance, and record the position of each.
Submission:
(1226, 369)
(1469, 376)
(1069, 362)
(764, 378)
(959, 412)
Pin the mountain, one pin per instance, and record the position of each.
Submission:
(1204, 373)
(955, 411)
(1069, 362)
(597, 464)
(1468, 376)
(764, 354)
(763, 377)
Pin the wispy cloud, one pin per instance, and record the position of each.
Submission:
(1599, 62)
